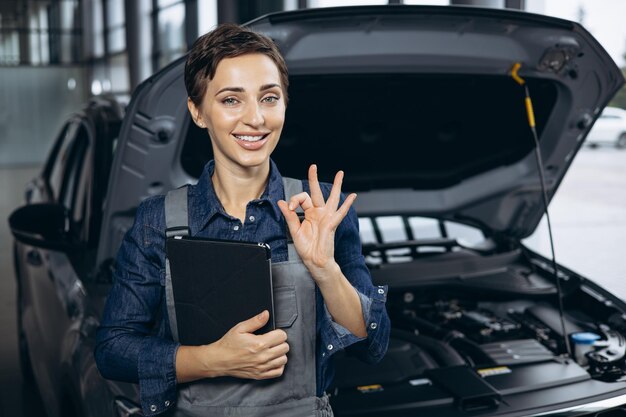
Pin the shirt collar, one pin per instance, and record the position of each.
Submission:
(204, 203)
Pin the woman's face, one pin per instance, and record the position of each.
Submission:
(243, 109)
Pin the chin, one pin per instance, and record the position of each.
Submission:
(252, 161)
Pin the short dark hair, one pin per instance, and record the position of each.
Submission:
(228, 40)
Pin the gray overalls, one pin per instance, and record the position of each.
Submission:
(294, 393)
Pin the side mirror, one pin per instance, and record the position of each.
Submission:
(43, 225)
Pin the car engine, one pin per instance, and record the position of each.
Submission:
(471, 335)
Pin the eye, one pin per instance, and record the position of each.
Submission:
(270, 99)
(230, 101)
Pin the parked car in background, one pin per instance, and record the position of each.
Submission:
(51, 266)
(609, 129)
(418, 106)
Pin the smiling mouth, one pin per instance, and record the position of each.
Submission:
(251, 138)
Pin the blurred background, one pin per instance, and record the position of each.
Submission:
(56, 54)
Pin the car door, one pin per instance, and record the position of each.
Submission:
(47, 277)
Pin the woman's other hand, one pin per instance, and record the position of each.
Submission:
(314, 237)
(239, 353)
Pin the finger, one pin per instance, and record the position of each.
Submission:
(314, 186)
(343, 210)
(273, 373)
(302, 199)
(293, 222)
(278, 350)
(274, 363)
(274, 338)
(335, 192)
(253, 323)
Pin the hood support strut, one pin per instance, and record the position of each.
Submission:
(531, 124)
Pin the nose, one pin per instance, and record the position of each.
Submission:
(253, 115)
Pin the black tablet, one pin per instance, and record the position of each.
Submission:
(217, 284)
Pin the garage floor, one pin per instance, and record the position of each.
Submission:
(588, 217)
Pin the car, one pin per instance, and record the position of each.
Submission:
(609, 129)
(425, 109)
(71, 187)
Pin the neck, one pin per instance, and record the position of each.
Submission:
(236, 186)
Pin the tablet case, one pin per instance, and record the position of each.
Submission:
(217, 284)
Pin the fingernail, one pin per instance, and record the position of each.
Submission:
(290, 206)
(260, 316)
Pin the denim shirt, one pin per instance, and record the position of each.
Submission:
(134, 342)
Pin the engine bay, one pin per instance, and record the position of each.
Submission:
(467, 331)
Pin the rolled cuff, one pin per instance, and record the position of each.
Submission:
(157, 375)
(376, 324)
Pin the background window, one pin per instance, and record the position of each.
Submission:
(116, 31)
(170, 32)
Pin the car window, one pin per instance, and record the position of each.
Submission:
(57, 163)
(73, 186)
(54, 152)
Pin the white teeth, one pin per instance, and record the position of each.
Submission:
(250, 138)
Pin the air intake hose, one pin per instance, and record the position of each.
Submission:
(443, 353)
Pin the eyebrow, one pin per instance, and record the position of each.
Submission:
(241, 90)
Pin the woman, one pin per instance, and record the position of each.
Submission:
(237, 83)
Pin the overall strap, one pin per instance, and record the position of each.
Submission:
(292, 187)
(176, 216)
(177, 225)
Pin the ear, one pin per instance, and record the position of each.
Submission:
(195, 113)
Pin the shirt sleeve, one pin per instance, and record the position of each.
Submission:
(129, 344)
(348, 254)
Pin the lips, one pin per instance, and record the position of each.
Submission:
(251, 142)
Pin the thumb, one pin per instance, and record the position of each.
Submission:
(254, 323)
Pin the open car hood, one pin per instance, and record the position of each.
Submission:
(417, 105)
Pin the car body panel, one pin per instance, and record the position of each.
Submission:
(51, 290)
(42, 279)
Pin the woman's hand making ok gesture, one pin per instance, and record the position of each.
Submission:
(314, 237)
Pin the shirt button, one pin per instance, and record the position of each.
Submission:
(373, 326)
(329, 347)
(236, 228)
(153, 408)
(167, 403)
(251, 218)
(381, 291)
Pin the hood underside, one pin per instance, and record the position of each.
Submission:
(417, 105)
